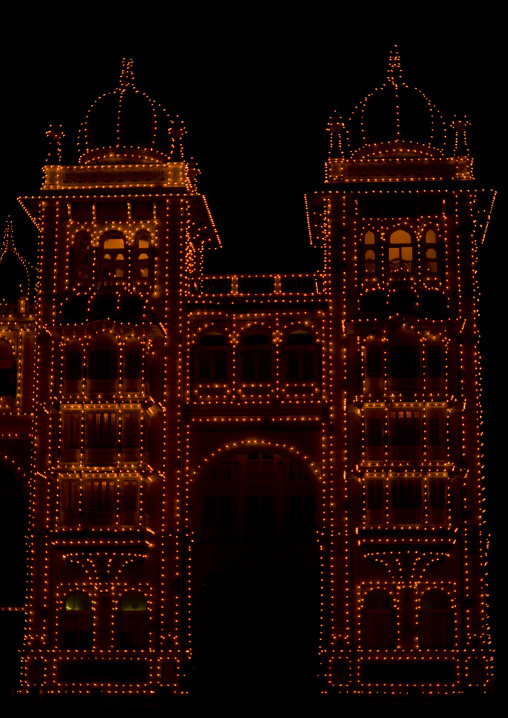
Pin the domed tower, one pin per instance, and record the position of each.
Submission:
(122, 235)
(400, 221)
(396, 132)
(126, 126)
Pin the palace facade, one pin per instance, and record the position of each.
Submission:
(248, 479)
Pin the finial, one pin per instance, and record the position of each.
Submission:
(336, 129)
(55, 136)
(394, 69)
(460, 126)
(127, 74)
(192, 173)
(176, 133)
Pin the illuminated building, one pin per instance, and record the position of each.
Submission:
(247, 471)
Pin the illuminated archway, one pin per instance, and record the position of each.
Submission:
(255, 517)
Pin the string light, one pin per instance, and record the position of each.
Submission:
(355, 387)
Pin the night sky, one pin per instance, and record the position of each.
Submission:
(255, 90)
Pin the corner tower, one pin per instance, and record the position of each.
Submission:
(121, 238)
(400, 221)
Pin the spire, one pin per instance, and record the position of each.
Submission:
(394, 69)
(336, 127)
(127, 73)
(8, 244)
(55, 136)
(14, 275)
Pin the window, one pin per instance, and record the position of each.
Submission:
(73, 364)
(405, 427)
(113, 265)
(69, 495)
(437, 494)
(101, 430)
(217, 509)
(400, 252)
(100, 495)
(432, 267)
(81, 260)
(435, 360)
(132, 622)
(378, 628)
(132, 364)
(300, 357)
(130, 491)
(142, 269)
(260, 466)
(76, 621)
(404, 362)
(7, 369)
(375, 502)
(374, 427)
(435, 621)
(369, 254)
(374, 361)
(71, 435)
(405, 494)
(255, 358)
(406, 501)
(103, 364)
(435, 427)
(211, 359)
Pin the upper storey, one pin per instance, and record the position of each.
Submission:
(396, 134)
(126, 140)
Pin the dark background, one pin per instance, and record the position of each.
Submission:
(255, 87)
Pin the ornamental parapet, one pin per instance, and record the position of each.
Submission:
(171, 174)
(398, 169)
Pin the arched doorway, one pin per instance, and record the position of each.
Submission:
(255, 572)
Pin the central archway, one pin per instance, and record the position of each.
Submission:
(255, 514)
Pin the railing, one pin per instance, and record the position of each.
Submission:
(246, 284)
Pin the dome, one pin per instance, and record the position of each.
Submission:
(14, 278)
(125, 126)
(396, 120)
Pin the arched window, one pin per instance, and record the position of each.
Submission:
(369, 251)
(432, 251)
(374, 361)
(103, 363)
(76, 621)
(7, 369)
(142, 269)
(112, 264)
(435, 621)
(300, 357)
(132, 621)
(404, 357)
(81, 259)
(400, 252)
(378, 626)
(73, 367)
(211, 359)
(132, 366)
(255, 358)
(406, 501)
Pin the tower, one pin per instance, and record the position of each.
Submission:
(400, 222)
(121, 237)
